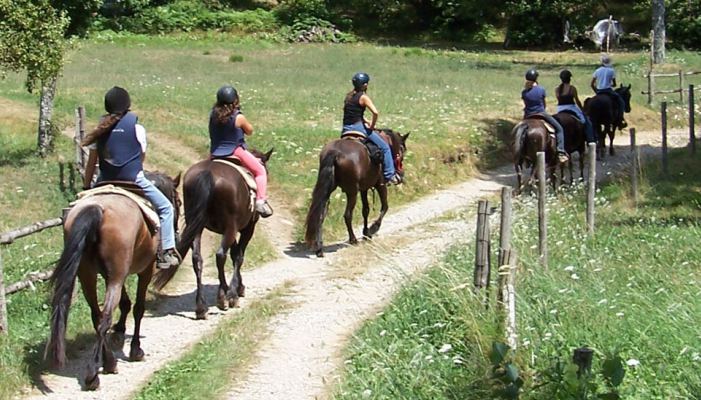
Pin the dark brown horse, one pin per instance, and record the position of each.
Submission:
(529, 137)
(346, 163)
(105, 234)
(601, 110)
(216, 197)
(575, 141)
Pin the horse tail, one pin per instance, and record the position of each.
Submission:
(198, 196)
(82, 234)
(520, 139)
(325, 184)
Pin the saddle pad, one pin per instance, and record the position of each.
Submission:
(354, 135)
(145, 206)
(247, 176)
(550, 128)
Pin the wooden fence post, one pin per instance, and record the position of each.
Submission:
(692, 110)
(582, 357)
(542, 218)
(634, 168)
(3, 304)
(681, 87)
(504, 234)
(507, 294)
(79, 135)
(650, 86)
(664, 138)
(591, 188)
(482, 248)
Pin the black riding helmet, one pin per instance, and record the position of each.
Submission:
(117, 100)
(360, 79)
(532, 75)
(227, 95)
(565, 76)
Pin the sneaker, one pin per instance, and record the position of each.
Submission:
(562, 158)
(168, 258)
(394, 180)
(263, 208)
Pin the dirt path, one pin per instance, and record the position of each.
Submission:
(301, 358)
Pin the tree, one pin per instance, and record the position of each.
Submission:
(33, 38)
(658, 29)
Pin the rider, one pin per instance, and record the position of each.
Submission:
(533, 96)
(603, 81)
(227, 127)
(568, 100)
(119, 143)
(353, 120)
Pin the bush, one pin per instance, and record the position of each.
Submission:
(684, 23)
(316, 30)
(291, 11)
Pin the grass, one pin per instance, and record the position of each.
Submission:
(631, 291)
(210, 367)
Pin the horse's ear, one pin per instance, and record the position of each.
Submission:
(405, 137)
(269, 153)
(629, 85)
(176, 180)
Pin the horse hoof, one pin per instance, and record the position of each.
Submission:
(92, 383)
(110, 368)
(242, 291)
(320, 253)
(234, 302)
(116, 340)
(136, 354)
(222, 304)
(353, 241)
(119, 328)
(201, 314)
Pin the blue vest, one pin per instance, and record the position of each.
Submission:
(533, 100)
(224, 138)
(120, 152)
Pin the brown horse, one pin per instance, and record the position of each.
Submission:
(105, 234)
(346, 163)
(217, 198)
(574, 141)
(529, 137)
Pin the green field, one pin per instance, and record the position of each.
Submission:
(453, 103)
(631, 292)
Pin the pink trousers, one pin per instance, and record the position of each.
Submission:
(256, 166)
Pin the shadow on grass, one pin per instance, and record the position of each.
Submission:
(36, 366)
(496, 150)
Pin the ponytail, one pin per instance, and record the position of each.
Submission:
(106, 125)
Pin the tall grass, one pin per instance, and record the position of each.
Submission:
(631, 291)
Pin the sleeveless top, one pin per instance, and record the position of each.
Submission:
(352, 110)
(119, 151)
(225, 138)
(533, 100)
(565, 98)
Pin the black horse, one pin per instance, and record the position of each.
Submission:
(602, 110)
(574, 141)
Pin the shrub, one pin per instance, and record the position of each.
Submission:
(291, 11)
(684, 23)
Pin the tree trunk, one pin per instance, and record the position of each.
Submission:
(46, 109)
(658, 28)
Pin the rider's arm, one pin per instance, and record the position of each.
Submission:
(576, 97)
(242, 122)
(593, 84)
(141, 138)
(365, 101)
(89, 169)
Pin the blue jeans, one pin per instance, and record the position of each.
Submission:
(588, 128)
(388, 162)
(163, 208)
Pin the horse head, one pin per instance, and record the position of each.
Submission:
(263, 157)
(398, 146)
(624, 92)
(169, 187)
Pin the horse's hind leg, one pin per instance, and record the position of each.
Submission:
(112, 294)
(200, 307)
(612, 134)
(366, 212)
(228, 240)
(237, 288)
(124, 307)
(352, 198)
(384, 206)
(136, 353)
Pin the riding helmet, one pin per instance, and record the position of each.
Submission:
(532, 75)
(227, 95)
(565, 75)
(360, 79)
(117, 100)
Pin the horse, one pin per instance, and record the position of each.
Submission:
(217, 198)
(346, 163)
(601, 111)
(575, 141)
(531, 136)
(105, 234)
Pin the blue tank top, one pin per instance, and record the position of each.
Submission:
(533, 100)
(119, 151)
(225, 138)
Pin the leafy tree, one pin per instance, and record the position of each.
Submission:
(33, 38)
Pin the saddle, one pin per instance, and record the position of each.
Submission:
(551, 129)
(377, 157)
(235, 163)
(126, 189)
